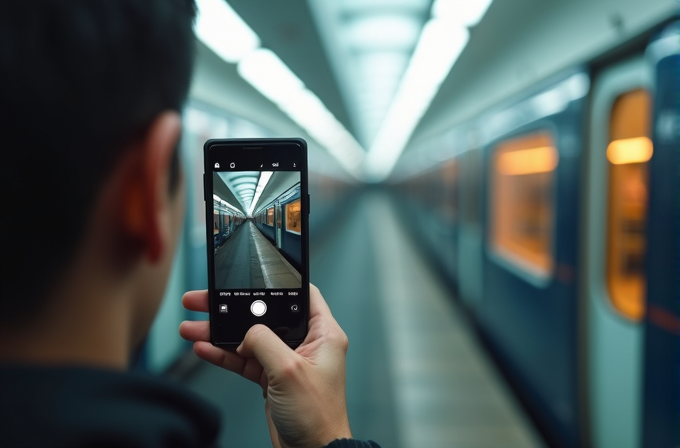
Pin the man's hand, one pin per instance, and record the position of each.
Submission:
(304, 389)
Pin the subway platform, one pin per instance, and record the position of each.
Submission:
(248, 260)
(416, 374)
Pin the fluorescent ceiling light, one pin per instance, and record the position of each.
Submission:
(308, 111)
(388, 31)
(463, 12)
(223, 31)
(441, 42)
(438, 49)
(261, 184)
(226, 204)
(267, 73)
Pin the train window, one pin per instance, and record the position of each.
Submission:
(522, 206)
(270, 216)
(628, 154)
(293, 217)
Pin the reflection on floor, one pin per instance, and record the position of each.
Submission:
(276, 270)
(415, 375)
(248, 260)
(447, 392)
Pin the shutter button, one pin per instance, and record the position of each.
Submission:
(258, 308)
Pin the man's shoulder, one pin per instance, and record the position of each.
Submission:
(83, 406)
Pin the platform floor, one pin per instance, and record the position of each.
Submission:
(248, 260)
(416, 375)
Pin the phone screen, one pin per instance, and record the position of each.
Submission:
(256, 214)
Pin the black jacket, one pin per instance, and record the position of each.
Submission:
(79, 407)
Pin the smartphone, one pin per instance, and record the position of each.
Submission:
(257, 207)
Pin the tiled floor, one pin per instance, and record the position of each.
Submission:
(276, 270)
(416, 376)
(446, 390)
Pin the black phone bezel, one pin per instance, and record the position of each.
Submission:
(245, 145)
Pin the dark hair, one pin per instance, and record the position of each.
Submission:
(79, 80)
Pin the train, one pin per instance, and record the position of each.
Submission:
(225, 221)
(279, 221)
(555, 218)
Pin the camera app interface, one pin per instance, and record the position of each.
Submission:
(258, 244)
(257, 229)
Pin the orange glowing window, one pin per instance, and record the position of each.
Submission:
(270, 216)
(521, 203)
(293, 217)
(628, 152)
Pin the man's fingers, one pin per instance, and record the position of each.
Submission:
(248, 368)
(195, 330)
(271, 352)
(221, 358)
(196, 301)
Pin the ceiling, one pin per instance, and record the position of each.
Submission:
(288, 29)
(240, 189)
(351, 53)
(337, 49)
(242, 185)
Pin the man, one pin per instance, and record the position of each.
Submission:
(91, 189)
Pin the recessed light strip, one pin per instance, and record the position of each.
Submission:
(440, 44)
(220, 28)
(261, 184)
(227, 205)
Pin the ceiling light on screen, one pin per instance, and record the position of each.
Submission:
(223, 31)
(226, 204)
(261, 184)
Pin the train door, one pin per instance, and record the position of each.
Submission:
(618, 181)
(661, 388)
(279, 219)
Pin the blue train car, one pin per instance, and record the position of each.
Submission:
(661, 372)
(224, 224)
(431, 198)
(531, 224)
(279, 220)
(566, 227)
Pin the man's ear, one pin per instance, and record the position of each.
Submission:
(147, 199)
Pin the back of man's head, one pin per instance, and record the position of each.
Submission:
(79, 81)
